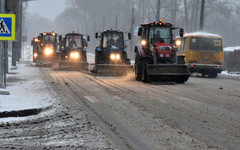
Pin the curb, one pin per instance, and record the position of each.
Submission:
(4, 92)
(20, 113)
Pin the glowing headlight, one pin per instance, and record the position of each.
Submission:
(167, 55)
(74, 55)
(48, 51)
(112, 56)
(143, 42)
(178, 42)
(161, 55)
(35, 55)
(117, 56)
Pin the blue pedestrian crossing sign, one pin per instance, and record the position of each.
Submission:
(7, 27)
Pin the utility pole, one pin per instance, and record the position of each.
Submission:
(15, 48)
(2, 70)
(116, 22)
(103, 23)
(202, 15)
(158, 10)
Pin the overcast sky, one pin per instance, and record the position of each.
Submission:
(46, 8)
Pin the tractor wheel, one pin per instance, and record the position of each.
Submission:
(145, 76)
(181, 79)
(138, 68)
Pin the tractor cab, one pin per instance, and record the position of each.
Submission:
(159, 36)
(48, 44)
(73, 46)
(73, 51)
(111, 55)
(46, 53)
(35, 47)
(112, 49)
(156, 55)
(113, 40)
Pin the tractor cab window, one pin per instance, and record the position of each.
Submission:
(162, 35)
(114, 39)
(74, 42)
(49, 39)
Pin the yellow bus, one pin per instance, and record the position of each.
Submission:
(203, 52)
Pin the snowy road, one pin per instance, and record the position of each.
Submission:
(201, 114)
(121, 113)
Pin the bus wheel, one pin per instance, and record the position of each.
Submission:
(213, 75)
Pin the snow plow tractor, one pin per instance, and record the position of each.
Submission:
(47, 54)
(35, 47)
(111, 55)
(156, 55)
(73, 52)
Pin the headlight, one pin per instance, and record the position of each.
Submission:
(112, 56)
(48, 51)
(35, 55)
(167, 55)
(178, 42)
(74, 55)
(117, 56)
(161, 55)
(143, 42)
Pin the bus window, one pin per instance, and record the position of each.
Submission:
(205, 44)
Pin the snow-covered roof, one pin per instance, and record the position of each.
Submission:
(231, 49)
(201, 34)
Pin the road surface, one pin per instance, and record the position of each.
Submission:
(203, 113)
(109, 112)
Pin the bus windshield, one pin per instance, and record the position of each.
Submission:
(205, 44)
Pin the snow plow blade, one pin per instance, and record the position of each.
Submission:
(111, 69)
(71, 65)
(169, 72)
(46, 62)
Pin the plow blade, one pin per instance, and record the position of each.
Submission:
(170, 72)
(71, 65)
(46, 62)
(111, 69)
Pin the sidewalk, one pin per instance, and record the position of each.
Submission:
(28, 93)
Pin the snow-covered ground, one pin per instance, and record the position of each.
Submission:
(27, 90)
(231, 49)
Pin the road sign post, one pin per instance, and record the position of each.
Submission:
(7, 33)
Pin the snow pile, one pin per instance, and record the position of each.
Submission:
(233, 74)
(231, 49)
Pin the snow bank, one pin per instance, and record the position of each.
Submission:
(231, 49)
